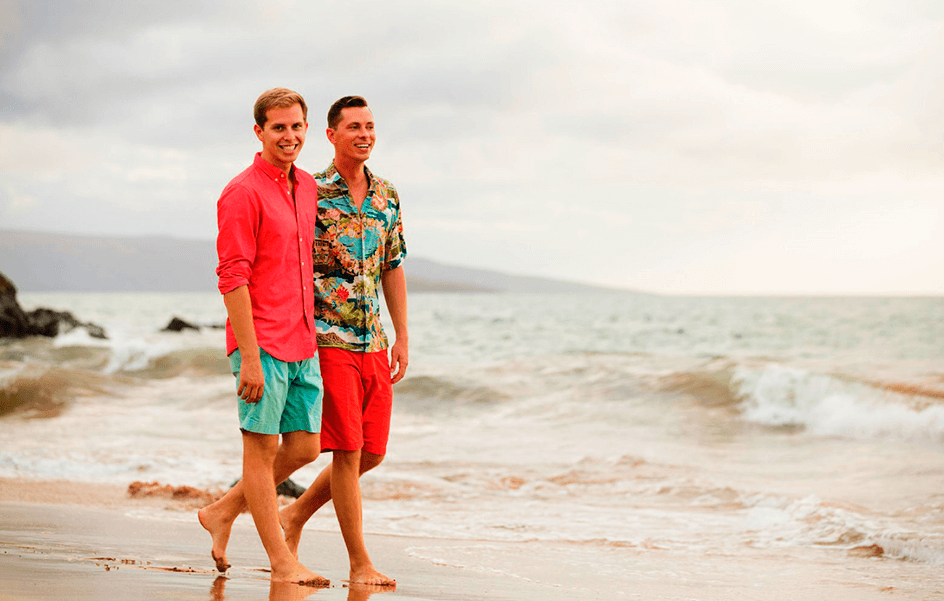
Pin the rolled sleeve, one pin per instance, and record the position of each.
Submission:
(237, 215)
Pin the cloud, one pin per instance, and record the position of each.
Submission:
(631, 142)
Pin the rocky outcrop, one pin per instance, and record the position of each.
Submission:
(17, 323)
(48, 322)
(177, 324)
(288, 488)
(13, 320)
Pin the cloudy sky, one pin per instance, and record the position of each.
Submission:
(723, 147)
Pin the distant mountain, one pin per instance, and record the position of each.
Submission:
(42, 261)
(450, 277)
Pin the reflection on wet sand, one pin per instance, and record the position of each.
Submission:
(362, 592)
(283, 591)
(218, 588)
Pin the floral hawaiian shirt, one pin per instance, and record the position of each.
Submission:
(353, 247)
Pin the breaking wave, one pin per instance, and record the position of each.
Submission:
(36, 390)
(834, 406)
(824, 404)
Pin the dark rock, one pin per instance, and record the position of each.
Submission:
(17, 323)
(290, 489)
(51, 323)
(287, 488)
(95, 331)
(13, 320)
(47, 322)
(176, 324)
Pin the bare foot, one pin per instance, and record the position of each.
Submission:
(219, 532)
(299, 574)
(368, 575)
(292, 531)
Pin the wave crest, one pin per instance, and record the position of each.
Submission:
(837, 406)
(38, 391)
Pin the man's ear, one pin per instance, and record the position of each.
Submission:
(330, 133)
(258, 131)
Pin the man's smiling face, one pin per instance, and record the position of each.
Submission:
(354, 136)
(283, 135)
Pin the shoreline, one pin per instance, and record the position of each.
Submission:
(90, 541)
(79, 540)
(116, 550)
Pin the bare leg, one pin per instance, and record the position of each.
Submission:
(297, 450)
(346, 494)
(259, 452)
(295, 516)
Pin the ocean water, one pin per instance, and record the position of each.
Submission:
(609, 425)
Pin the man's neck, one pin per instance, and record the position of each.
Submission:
(352, 172)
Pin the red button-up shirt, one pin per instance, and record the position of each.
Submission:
(265, 242)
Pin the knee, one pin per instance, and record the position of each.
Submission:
(309, 454)
(302, 455)
(369, 461)
(259, 448)
(346, 462)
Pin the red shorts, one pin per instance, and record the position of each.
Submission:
(357, 402)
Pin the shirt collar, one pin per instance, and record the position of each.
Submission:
(271, 170)
(332, 174)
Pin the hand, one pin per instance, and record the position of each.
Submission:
(251, 380)
(399, 359)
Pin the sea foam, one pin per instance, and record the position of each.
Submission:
(776, 395)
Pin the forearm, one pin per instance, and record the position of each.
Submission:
(394, 290)
(239, 309)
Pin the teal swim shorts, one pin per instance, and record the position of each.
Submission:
(291, 398)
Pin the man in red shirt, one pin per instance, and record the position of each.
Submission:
(266, 218)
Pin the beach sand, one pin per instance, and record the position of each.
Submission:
(64, 540)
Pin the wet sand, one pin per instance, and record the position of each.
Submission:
(80, 552)
(62, 540)
(83, 542)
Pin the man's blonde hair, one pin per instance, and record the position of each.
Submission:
(277, 98)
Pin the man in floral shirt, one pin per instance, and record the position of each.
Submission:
(358, 249)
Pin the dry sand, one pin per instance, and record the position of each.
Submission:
(79, 541)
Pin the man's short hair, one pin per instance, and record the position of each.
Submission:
(277, 98)
(334, 113)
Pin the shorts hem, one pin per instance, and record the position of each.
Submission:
(362, 448)
(257, 428)
(309, 429)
